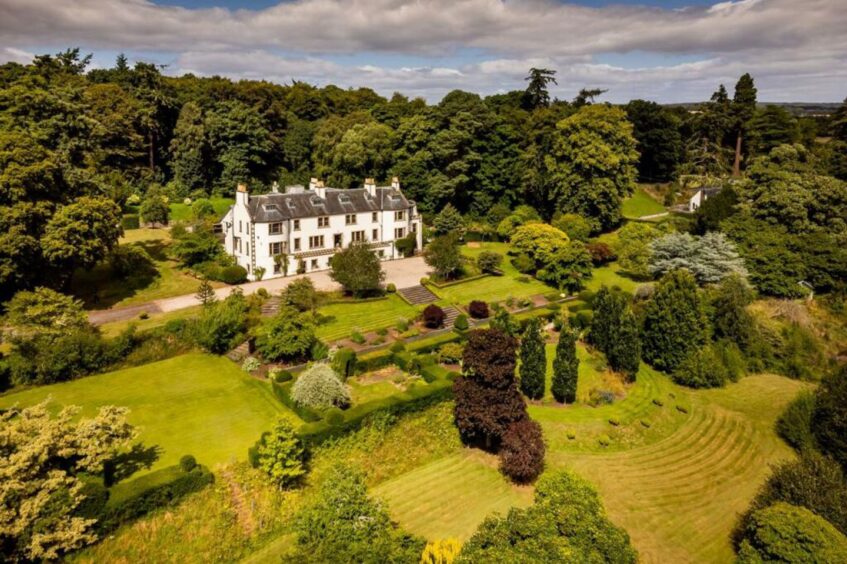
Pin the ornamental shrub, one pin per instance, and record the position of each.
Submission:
(522, 451)
(461, 322)
(478, 309)
(391, 288)
(433, 316)
(319, 387)
(489, 261)
(251, 364)
(233, 274)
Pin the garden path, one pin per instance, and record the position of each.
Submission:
(400, 272)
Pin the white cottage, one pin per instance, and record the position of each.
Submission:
(307, 226)
(700, 196)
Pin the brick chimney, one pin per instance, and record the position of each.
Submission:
(370, 187)
(313, 183)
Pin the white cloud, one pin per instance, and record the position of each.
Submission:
(792, 48)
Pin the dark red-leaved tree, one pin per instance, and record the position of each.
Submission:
(487, 400)
(522, 451)
(433, 316)
(478, 309)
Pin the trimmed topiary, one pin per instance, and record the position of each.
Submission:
(187, 463)
(461, 322)
(478, 309)
(433, 316)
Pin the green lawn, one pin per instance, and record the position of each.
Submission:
(154, 320)
(182, 212)
(363, 393)
(451, 496)
(192, 404)
(492, 288)
(100, 288)
(640, 204)
(344, 318)
(611, 275)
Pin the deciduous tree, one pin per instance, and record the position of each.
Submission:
(358, 270)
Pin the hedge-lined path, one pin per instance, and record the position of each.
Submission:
(401, 272)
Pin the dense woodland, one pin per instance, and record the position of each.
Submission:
(77, 146)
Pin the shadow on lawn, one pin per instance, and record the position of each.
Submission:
(102, 287)
(126, 464)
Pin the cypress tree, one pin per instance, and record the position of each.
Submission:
(608, 308)
(624, 352)
(674, 322)
(565, 367)
(533, 361)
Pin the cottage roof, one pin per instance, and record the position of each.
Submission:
(269, 208)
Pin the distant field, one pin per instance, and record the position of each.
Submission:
(364, 316)
(182, 212)
(192, 404)
(640, 204)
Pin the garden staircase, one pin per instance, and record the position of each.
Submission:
(240, 352)
(417, 295)
(271, 306)
(450, 315)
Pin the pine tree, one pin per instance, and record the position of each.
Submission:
(533, 361)
(624, 354)
(205, 293)
(503, 322)
(674, 321)
(743, 108)
(565, 367)
(449, 220)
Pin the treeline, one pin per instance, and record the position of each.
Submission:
(76, 145)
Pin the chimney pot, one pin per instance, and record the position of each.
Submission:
(242, 188)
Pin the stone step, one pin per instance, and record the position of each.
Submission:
(271, 306)
(240, 352)
(450, 315)
(418, 295)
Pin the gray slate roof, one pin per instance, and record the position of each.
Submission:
(269, 208)
(710, 190)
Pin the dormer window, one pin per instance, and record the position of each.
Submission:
(344, 198)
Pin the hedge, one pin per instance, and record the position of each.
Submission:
(417, 397)
(461, 280)
(135, 498)
(282, 391)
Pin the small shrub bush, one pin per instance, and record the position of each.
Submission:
(451, 353)
(614, 421)
(489, 261)
(604, 440)
(250, 364)
(233, 274)
(357, 338)
(130, 221)
(433, 316)
(461, 322)
(402, 324)
(570, 434)
(682, 409)
(319, 387)
(398, 346)
(280, 376)
(478, 309)
(600, 397)
(187, 463)
(391, 288)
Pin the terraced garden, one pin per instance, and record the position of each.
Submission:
(677, 467)
(191, 404)
(344, 318)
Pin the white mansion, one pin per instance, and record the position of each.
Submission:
(307, 226)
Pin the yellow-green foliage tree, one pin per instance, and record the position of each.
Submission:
(442, 551)
(42, 460)
(540, 242)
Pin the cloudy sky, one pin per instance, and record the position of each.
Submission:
(665, 50)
